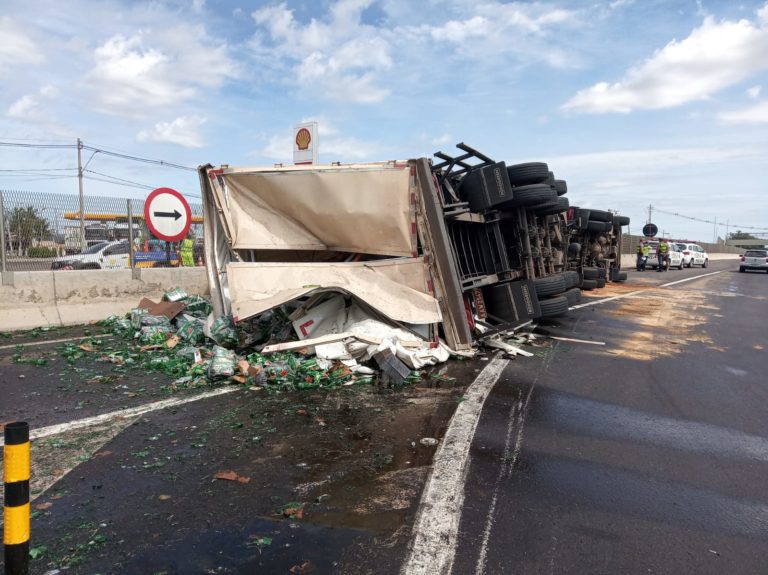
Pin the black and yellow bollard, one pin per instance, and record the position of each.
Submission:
(16, 506)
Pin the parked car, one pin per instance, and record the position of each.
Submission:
(104, 255)
(693, 254)
(674, 256)
(754, 260)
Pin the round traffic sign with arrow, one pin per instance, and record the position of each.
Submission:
(167, 214)
(650, 230)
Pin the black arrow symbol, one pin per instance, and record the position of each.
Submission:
(174, 214)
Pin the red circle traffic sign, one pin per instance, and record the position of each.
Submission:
(167, 214)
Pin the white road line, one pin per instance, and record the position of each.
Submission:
(124, 413)
(630, 294)
(433, 545)
(65, 339)
(690, 279)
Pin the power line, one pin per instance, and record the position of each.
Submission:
(713, 222)
(139, 159)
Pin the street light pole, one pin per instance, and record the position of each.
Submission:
(80, 185)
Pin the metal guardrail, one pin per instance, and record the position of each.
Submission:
(37, 230)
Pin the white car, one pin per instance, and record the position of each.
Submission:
(693, 255)
(674, 256)
(105, 255)
(754, 260)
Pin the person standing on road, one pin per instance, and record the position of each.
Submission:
(663, 249)
(186, 252)
(646, 255)
(639, 263)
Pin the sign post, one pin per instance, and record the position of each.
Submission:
(167, 214)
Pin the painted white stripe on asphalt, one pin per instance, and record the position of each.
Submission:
(630, 294)
(433, 545)
(63, 340)
(690, 279)
(124, 413)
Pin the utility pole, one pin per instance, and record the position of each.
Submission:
(650, 213)
(80, 184)
(714, 231)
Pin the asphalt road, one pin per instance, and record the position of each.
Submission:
(642, 448)
(648, 454)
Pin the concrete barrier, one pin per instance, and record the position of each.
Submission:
(35, 299)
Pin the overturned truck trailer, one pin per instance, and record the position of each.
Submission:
(462, 245)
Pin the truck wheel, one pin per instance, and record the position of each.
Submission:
(590, 273)
(552, 208)
(552, 306)
(597, 227)
(550, 285)
(600, 216)
(571, 279)
(617, 276)
(532, 194)
(574, 249)
(573, 296)
(588, 285)
(529, 173)
(561, 187)
(600, 283)
(621, 220)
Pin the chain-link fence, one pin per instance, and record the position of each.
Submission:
(41, 231)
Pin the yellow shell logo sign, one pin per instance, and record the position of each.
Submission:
(303, 138)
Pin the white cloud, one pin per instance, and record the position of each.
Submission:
(35, 108)
(133, 75)
(714, 56)
(757, 114)
(339, 57)
(754, 92)
(16, 48)
(441, 140)
(184, 131)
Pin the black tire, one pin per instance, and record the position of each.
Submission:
(705, 264)
(561, 187)
(600, 282)
(588, 285)
(620, 221)
(680, 267)
(600, 216)
(601, 273)
(574, 249)
(550, 285)
(531, 195)
(598, 227)
(552, 208)
(690, 263)
(590, 273)
(741, 270)
(529, 173)
(573, 296)
(617, 275)
(553, 306)
(571, 279)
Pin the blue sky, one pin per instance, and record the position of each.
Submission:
(633, 102)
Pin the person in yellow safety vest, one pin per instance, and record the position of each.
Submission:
(646, 255)
(662, 252)
(639, 263)
(186, 252)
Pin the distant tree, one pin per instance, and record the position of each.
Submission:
(26, 225)
(739, 235)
